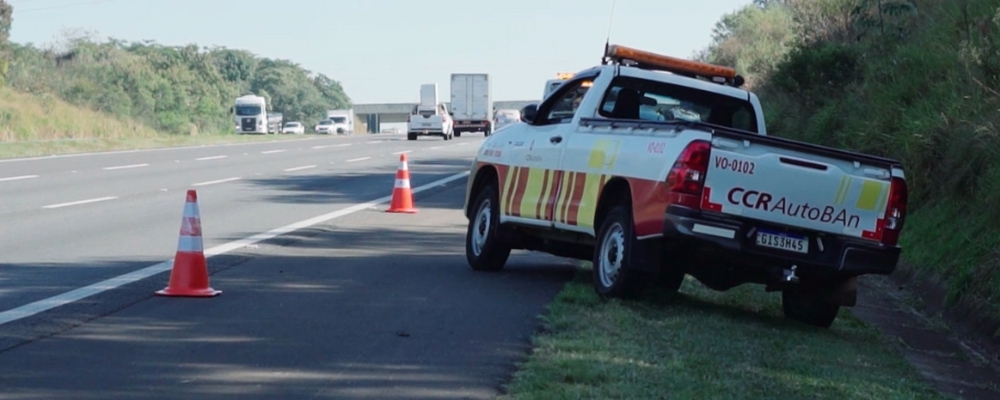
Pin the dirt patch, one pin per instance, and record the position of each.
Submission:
(954, 364)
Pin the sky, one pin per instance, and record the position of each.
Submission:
(381, 51)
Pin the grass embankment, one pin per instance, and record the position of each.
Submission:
(703, 344)
(33, 125)
(918, 81)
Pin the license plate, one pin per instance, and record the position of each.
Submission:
(783, 241)
(427, 124)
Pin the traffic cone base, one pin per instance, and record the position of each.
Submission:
(402, 195)
(187, 279)
(189, 275)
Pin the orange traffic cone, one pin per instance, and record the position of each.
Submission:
(189, 276)
(402, 195)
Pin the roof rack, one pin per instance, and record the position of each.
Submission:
(621, 55)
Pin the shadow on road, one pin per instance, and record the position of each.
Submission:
(356, 187)
(383, 307)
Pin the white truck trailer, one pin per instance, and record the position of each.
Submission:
(472, 103)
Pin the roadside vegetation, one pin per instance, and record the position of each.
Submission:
(96, 94)
(917, 81)
(703, 344)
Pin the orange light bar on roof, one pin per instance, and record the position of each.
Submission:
(668, 63)
(564, 75)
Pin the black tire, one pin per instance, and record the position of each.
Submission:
(809, 304)
(615, 243)
(458, 133)
(484, 249)
(411, 136)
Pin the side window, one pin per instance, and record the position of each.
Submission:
(565, 102)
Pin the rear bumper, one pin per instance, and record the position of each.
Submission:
(471, 124)
(732, 241)
(426, 131)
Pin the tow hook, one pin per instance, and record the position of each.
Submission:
(788, 278)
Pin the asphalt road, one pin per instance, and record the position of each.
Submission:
(68, 222)
(370, 305)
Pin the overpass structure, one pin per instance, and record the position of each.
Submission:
(376, 114)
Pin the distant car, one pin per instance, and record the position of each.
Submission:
(324, 126)
(504, 117)
(294, 127)
(391, 130)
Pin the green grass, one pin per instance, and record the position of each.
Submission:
(703, 344)
(40, 125)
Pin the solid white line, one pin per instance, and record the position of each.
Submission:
(374, 141)
(76, 203)
(300, 168)
(43, 305)
(272, 151)
(210, 158)
(343, 145)
(125, 167)
(321, 147)
(435, 147)
(402, 152)
(17, 178)
(218, 181)
(358, 159)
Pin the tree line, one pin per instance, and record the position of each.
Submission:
(175, 89)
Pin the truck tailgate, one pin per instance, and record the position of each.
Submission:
(797, 185)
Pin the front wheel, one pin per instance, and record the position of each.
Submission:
(613, 272)
(484, 249)
(411, 136)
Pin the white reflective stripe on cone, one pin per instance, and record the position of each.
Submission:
(403, 183)
(402, 166)
(190, 243)
(190, 209)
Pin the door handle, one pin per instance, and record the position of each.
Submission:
(555, 139)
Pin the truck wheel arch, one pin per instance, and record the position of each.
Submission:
(486, 175)
(616, 191)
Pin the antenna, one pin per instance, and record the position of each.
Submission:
(607, 40)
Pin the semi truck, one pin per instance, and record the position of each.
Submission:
(251, 114)
(343, 121)
(471, 103)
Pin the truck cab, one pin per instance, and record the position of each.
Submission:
(654, 168)
(251, 114)
(343, 121)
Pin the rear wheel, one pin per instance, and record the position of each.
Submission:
(484, 249)
(613, 272)
(458, 133)
(411, 136)
(810, 303)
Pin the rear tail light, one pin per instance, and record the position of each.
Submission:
(687, 177)
(895, 212)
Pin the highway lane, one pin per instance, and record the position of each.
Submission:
(372, 305)
(133, 218)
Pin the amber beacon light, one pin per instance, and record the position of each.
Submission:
(667, 63)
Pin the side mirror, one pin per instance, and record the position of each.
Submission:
(528, 113)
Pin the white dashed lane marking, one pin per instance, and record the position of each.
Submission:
(76, 203)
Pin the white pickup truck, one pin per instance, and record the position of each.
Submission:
(654, 175)
(429, 117)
